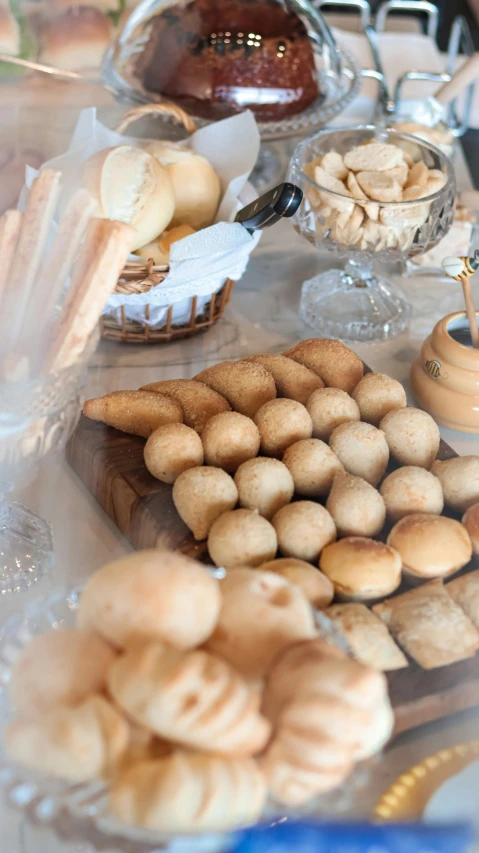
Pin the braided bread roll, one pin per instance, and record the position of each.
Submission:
(190, 791)
(192, 698)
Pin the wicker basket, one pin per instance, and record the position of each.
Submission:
(141, 277)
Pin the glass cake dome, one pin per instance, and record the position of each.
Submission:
(215, 58)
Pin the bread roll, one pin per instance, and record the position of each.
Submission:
(172, 449)
(201, 495)
(361, 569)
(189, 792)
(376, 395)
(245, 385)
(229, 439)
(362, 449)
(135, 412)
(61, 667)
(281, 423)
(196, 185)
(80, 744)
(330, 407)
(131, 186)
(412, 435)
(151, 595)
(317, 588)
(261, 614)
(356, 507)
(76, 40)
(292, 380)
(459, 478)
(198, 402)
(367, 636)
(430, 546)
(241, 538)
(159, 249)
(192, 698)
(411, 489)
(470, 520)
(303, 529)
(264, 485)
(313, 466)
(335, 363)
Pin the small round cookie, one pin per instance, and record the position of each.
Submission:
(198, 401)
(329, 408)
(317, 588)
(172, 449)
(411, 489)
(335, 363)
(362, 449)
(265, 485)
(376, 395)
(459, 479)
(470, 520)
(431, 546)
(229, 439)
(293, 380)
(412, 435)
(241, 538)
(61, 667)
(246, 386)
(356, 507)
(281, 423)
(361, 569)
(201, 495)
(312, 465)
(303, 528)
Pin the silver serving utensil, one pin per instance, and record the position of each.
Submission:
(433, 109)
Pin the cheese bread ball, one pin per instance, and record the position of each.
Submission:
(376, 395)
(412, 435)
(312, 465)
(201, 495)
(411, 489)
(459, 478)
(330, 407)
(264, 485)
(362, 449)
(304, 528)
(241, 538)
(281, 423)
(356, 507)
(172, 449)
(333, 361)
(317, 588)
(229, 439)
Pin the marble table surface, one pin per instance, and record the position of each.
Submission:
(262, 317)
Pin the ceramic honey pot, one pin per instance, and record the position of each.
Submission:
(445, 375)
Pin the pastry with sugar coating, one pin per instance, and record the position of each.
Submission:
(333, 361)
(198, 402)
(293, 380)
(135, 412)
(246, 386)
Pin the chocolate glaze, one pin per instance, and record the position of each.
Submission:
(219, 57)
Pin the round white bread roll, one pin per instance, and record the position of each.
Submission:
(196, 185)
(411, 489)
(151, 595)
(361, 569)
(131, 186)
(356, 507)
(431, 546)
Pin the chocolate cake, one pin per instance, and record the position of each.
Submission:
(219, 57)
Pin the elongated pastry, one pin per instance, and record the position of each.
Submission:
(193, 698)
(335, 363)
(190, 791)
(198, 401)
(293, 380)
(465, 592)
(134, 412)
(369, 639)
(430, 626)
(246, 386)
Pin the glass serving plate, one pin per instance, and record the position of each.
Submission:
(79, 812)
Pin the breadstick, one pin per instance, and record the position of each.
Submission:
(104, 254)
(10, 225)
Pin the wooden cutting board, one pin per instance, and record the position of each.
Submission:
(111, 466)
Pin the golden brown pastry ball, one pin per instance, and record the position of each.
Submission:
(61, 667)
(293, 380)
(198, 401)
(376, 395)
(261, 614)
(330, 407)
(317, 588)
(282, 422)
(312, 465)
(412, 435)
(470, 520)
(172, 449)
(361, 569)
(246, 386)
(229, 439)
(304, 528)
(241, 538)
(459, 479)
(362, 449)
(431, 546)
(201, 495)
(335, 363)
(411, 489)
(151, 595)
(134, 412)
(356, 507)
(264, 485)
